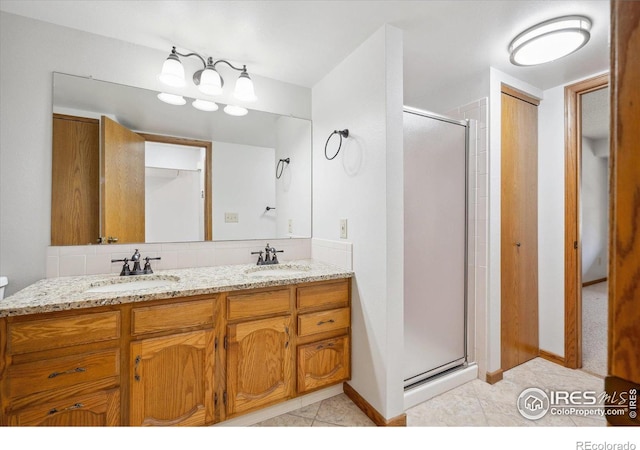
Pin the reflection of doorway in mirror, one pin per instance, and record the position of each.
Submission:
(174, 192)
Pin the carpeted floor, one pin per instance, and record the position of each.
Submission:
(594, 329)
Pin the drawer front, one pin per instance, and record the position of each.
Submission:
(100, 408)
(323, 295)
(174, 316)
(240, 306)
(319, 322)
(46, 334)
(44, 375)
(323, 363)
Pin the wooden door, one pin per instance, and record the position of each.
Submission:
(97, 409)
(519, 230)
(172, 380)
(122, 188)
(75, 195)
(623, 374)
(259, 363)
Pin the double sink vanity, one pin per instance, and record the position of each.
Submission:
(177, 347)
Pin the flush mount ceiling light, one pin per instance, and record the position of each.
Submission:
(208, 79)
(550, 40)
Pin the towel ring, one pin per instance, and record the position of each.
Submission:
(342, 133)
(280, 167)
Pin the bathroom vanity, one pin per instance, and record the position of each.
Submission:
(179, 347)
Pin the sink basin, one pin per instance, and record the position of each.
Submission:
(132, 285)
(276, 271)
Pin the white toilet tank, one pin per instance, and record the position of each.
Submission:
(3, 283)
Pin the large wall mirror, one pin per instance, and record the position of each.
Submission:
(127, 167)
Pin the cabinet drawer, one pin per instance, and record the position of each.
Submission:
(100, 408)
(40, 376)
(323, 363)
(318, 322)
(323, 295)
(174, 316)
(46, 334)
(264, 303)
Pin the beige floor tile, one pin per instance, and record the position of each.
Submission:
(286, 420)
(340, 410)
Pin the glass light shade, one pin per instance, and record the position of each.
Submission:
(172, 99)
(210, 82)
(244, 89)
(233, 110)
(172, 72)
(204, 105)
(550, 40)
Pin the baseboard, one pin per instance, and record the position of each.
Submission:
(552, 357)
(494, 377)
(370, 411)
(599, 280)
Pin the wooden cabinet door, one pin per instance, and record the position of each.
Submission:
(172, 380)
(259, 363)
(97, 409)
(519, 231)
(75, 180)
(122, 189)
(323, 363)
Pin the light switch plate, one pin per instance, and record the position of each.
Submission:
(231, 217)
(343, 228)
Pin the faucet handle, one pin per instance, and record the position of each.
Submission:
(260, 260)
(125, 267)
(147, 265)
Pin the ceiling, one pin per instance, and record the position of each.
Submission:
(445, 42)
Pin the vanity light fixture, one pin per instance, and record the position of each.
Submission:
(204, 105)
(234, 110)
(550, 40)
(208, 79)
(172, 99)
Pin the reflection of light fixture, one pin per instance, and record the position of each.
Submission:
(208, 79)
(233, 110)
(204, 105)
(550, 40)
(172, 99)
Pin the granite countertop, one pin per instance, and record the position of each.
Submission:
(66, 293)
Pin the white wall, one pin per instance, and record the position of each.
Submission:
(293, 188)
(243, 186)
(30, 51)
(594, 199)
(174, 184)
(364, 185)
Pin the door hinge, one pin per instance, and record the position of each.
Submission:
(575, 245)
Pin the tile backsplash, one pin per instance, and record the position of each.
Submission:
(96, 259)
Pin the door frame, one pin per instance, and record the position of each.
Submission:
(572, 236)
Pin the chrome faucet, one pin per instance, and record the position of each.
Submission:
(126, 270)
(270, 256)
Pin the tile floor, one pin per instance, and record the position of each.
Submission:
(473, 404)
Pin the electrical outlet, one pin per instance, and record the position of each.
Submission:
(231, 217)
(290, 225)
(343, 228)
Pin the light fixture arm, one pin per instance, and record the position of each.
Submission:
(186, 55)
(243, 69)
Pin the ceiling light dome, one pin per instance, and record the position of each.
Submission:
(550, 40)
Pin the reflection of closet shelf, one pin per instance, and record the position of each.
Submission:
(167, 171)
